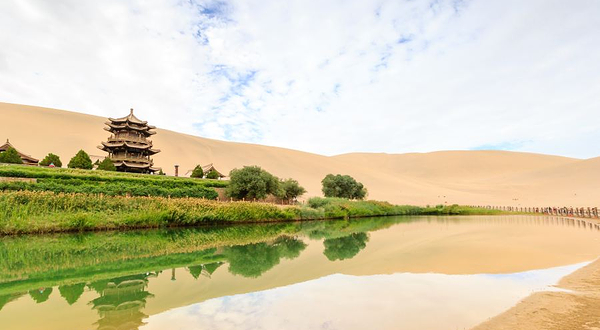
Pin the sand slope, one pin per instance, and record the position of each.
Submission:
(464, 177)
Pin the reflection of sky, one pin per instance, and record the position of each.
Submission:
(405, 300)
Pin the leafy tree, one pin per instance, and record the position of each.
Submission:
(290, 189)
(51, 159)
(81, 160)
(343, 186)
(197, 172)
(107, 165)
(212, 174)
(40, 295)
(345, 247)
(10, 156)
(71, 293)
(160, 172)
(251, 182)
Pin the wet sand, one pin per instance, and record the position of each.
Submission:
(576, 308)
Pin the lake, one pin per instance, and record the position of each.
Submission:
(376, 273)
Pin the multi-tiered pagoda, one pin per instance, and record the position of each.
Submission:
(128, 146)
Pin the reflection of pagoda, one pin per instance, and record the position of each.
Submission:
(121, 301)
(128, 146)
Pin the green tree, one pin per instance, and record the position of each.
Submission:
(51, 159)
(251, 182)
(10, 156)
(107, 165)
(40, 295)
(197, 172)
(81, 160)
(290, 189)
(71, 293)
(343, 186)
(160, 172)
(344, 247)
(212, 174)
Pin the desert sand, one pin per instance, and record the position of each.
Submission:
(462, 177)
(574, 308)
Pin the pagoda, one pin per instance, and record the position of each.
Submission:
(27, 160)
(128, 146)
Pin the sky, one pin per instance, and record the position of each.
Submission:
(327, 77)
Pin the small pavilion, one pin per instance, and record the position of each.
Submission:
(205, 170)
(27, 160)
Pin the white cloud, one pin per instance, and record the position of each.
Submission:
(327, 77)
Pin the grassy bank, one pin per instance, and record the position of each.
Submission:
(41, 212)
(60, 180)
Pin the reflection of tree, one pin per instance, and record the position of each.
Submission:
(206, 269)
(253, 260)
(5, 299)
(345, 247)
(40, 295)
(71, 293)
(121, 301)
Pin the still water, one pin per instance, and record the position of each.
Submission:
(377, 273)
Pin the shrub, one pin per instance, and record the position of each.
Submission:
(81, 160)
(107, 165)
(251, 182)
(212, 174)
(290, 189)
(51, 159)
(197, 172)
(343, 186)
(10, 156)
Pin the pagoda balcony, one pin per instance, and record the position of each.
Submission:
(131, 158)
(129, 138)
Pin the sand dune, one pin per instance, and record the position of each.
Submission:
(464, 177)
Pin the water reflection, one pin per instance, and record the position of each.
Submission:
(253, 260)
(345, 247)
(118, 280)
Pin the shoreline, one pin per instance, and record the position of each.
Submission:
(574, 306)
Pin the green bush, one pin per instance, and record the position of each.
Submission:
(213, 174)
(290, 189)
(51, 159)
(10, 156)
(81, 160)
(251, 182)
(343, 186)
(197, 172)
(107, 165)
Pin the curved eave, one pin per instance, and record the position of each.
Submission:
(132, 165)
(126, 126)
(129, 145)
(128, 119)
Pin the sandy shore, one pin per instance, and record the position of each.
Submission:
(577, 308)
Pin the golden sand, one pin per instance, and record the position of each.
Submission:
(463, 177)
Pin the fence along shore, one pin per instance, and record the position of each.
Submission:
(581, 212)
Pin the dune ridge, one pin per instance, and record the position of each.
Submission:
(463, 177)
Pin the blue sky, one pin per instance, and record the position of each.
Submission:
(327, 77)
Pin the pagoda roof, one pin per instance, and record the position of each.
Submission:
(145, 129)
(107, 145)
(24, 157)
(130, 164)
(129, 118)
(134, 165)
(211, 167)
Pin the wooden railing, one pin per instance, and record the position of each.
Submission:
(129, 139)
(582, 212)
